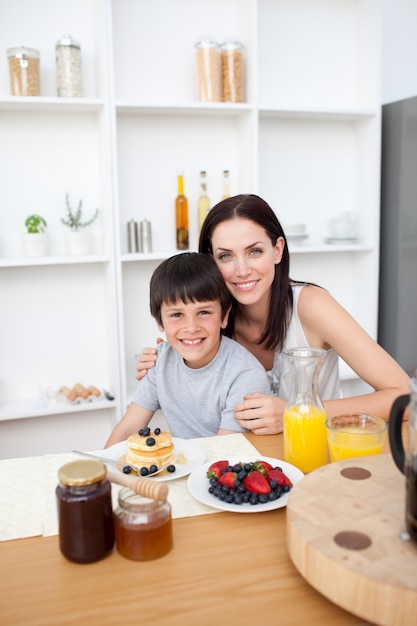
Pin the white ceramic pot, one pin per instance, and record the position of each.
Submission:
(35, 244)
(79, 242)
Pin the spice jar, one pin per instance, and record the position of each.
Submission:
(68, 67)
(23, 71)
(143, 526)
(208, 71)
(232, 71)
(85, 514)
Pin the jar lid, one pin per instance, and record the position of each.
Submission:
(82, 472)
(207, 43)
(231, 45)
(21, 52)
(67, 40)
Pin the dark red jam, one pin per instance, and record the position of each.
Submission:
(85, 514)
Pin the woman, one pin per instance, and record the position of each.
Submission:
(271, 312)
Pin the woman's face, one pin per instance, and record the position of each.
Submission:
(246, 258)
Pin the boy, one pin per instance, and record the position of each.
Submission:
(200, 375)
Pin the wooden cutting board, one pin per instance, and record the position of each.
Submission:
(344, 522)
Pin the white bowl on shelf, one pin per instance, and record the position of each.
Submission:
(295, 230)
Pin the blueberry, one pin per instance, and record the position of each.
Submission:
(126, 469)
(171, 469)
(153, 469)
(157, 431)
(144, 471)
(150, 441)
(237, 468)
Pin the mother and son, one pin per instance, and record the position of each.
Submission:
(228, 313)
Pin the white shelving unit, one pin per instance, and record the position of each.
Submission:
(307, 139)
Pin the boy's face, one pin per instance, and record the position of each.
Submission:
(193, 329)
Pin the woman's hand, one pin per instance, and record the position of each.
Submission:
(260, 413)
(147, 360)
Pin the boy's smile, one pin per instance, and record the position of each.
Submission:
(193, 329)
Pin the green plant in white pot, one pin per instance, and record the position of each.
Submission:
(35, 240)
(79, 239)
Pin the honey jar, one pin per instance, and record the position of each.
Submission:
(85, 513)
(143, 526)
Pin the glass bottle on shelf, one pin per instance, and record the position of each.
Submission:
(181, 215)
(305, 442)
(203, 200)
(226, 191)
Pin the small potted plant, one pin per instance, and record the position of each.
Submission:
(35, 240)
(79, 241)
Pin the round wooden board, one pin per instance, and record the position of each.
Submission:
(344, 522)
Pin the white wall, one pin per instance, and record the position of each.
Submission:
(399, 50)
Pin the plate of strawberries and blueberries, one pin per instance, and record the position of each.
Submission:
(248, 486)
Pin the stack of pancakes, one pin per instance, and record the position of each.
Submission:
(141, 454)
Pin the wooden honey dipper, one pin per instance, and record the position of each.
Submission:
(143, 486)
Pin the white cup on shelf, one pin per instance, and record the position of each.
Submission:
(345, 225)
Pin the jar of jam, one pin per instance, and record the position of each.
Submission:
(143, 526)
(85, 514)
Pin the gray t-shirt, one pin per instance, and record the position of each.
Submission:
(197, 402)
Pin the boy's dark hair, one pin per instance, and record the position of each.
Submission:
(190, 277)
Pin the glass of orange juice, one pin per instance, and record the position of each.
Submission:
(354, 435)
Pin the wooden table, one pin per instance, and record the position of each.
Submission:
(224, 569)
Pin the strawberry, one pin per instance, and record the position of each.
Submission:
(228, 479)
(262, 466)
(279, 477)
(216, 469)
(255, 481)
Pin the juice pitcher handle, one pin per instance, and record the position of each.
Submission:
(395, 431)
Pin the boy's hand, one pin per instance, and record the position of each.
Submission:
(147, 360)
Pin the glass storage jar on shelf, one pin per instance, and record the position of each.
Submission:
(208, 70)
(232, 71)
(68, 68)
(24, 71)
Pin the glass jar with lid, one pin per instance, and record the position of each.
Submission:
(68, 68)
(232, 71)
(85, 513)
(143, 526)
(24, 71)
(208, 70)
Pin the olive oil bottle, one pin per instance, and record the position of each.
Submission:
(203, 200)
(226, 191)
(181, 216)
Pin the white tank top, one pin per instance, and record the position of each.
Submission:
(280, 375)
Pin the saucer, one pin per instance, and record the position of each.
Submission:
(296, 238)
(341, 240)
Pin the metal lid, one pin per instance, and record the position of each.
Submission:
(82, 472)
(231, 45)
(207, 42)
(21, 52)
(67, 40)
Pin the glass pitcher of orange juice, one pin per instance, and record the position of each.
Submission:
(305, 443)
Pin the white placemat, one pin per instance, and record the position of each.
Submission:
(27, 488)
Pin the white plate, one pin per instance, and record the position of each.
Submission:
(192, 452)
(198, 485)
(341, 240)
